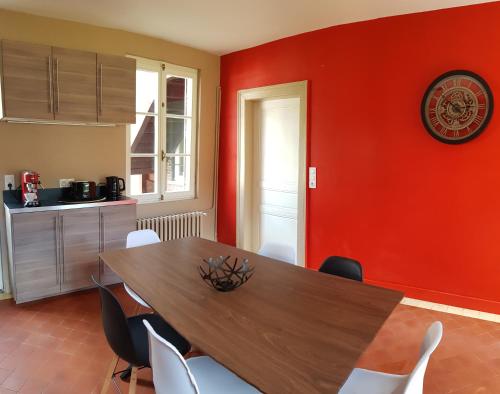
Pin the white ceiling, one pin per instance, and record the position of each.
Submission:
(223, 26)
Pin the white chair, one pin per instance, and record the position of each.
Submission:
(198, 375)
(363, 381)
(140, 238)
(278, 252)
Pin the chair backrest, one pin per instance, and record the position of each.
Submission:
(415, 382)
(141, 238)
(278, 252)
(171, 374)
(115, 325)
(342, 266)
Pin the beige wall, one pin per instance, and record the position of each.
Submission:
(82, 152)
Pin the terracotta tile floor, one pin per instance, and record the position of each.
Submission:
(57, 346)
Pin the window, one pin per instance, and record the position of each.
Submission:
(161, 145)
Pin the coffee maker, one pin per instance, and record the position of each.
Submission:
(113, 187)
(30, 181)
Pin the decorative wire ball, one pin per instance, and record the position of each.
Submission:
(223, 275)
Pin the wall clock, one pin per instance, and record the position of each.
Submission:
(457, 107)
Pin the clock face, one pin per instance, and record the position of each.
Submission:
(457, 107)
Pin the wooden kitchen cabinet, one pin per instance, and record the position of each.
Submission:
(46, 84)
(27, 81)
(116, 222)
(35, 250)
(74, 85)
(116, 89)
(79, 235)
(57, 251)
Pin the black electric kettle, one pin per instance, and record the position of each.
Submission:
(113, 187)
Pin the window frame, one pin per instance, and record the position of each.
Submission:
(164, 69)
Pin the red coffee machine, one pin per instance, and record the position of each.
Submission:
(29, 188)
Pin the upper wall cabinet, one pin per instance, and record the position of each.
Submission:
(116, 89)
(43, 83)
(27, 81)
(75, 85)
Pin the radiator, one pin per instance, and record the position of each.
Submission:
(176, 226)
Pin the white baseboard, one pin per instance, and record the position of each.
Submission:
(451, 309)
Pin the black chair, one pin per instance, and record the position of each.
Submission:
(128, 337)
(342, 266)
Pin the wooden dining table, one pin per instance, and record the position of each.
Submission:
(287, 330)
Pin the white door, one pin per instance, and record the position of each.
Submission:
(276, 177)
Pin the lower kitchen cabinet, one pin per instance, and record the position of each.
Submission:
(116, 222)
(79, 258)
(35, 250)
(54, 252)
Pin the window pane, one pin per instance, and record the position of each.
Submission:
(146, 91)
(142, 175)
(178, 174)
(178, 136)
(143, 134)
(179, 95)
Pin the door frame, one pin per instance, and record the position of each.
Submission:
(246, 99)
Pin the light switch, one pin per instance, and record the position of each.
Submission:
(312, 177)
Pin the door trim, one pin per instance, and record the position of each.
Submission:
(243, 191)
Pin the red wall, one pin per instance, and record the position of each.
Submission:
(421, 216)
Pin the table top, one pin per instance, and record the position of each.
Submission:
(287, 330)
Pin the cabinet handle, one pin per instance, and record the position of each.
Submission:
(102, 232)
(62, 247)
(57, 85)
(101, 247)
(100, 89)
(56, 227)
(51, 87)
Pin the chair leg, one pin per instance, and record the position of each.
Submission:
(109, 374)
(133, 381)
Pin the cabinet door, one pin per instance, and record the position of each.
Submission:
(116, 222)
(27, 80)
(79, 234)
(75, 85)
(116, 89)
(35, 255)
